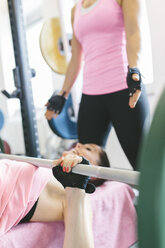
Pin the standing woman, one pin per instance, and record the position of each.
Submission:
(107, 35)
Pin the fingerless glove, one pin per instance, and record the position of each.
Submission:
(133, 85)
(56, 103)
(73, 180)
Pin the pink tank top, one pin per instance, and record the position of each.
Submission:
(101, 34)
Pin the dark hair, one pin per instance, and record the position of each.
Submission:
(104, 162)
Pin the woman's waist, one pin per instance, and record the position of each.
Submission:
(104, 83)
(105, 68)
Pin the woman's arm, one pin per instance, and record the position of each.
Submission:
(132, 10)
(74, 64)
(71, 74)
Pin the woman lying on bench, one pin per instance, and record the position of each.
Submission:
(61, 199)
(28, 195)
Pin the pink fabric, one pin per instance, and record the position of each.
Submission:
(114, 216)
(23, 178)
(114, 223)
(102, 36)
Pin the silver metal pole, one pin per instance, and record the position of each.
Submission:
(125, 176)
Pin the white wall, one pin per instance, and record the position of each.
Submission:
(157, 19)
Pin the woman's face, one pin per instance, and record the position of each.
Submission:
(90, 151)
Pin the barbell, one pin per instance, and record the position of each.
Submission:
(120, 175)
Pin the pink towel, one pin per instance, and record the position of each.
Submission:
(114, 216)
(24, 187)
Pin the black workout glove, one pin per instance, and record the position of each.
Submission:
(132, 84)
(56, 103)
(73, 180)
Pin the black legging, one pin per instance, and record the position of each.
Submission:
(98, 113)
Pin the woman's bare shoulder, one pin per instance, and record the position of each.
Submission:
(73, 12)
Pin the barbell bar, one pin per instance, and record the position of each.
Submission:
(113, 174)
